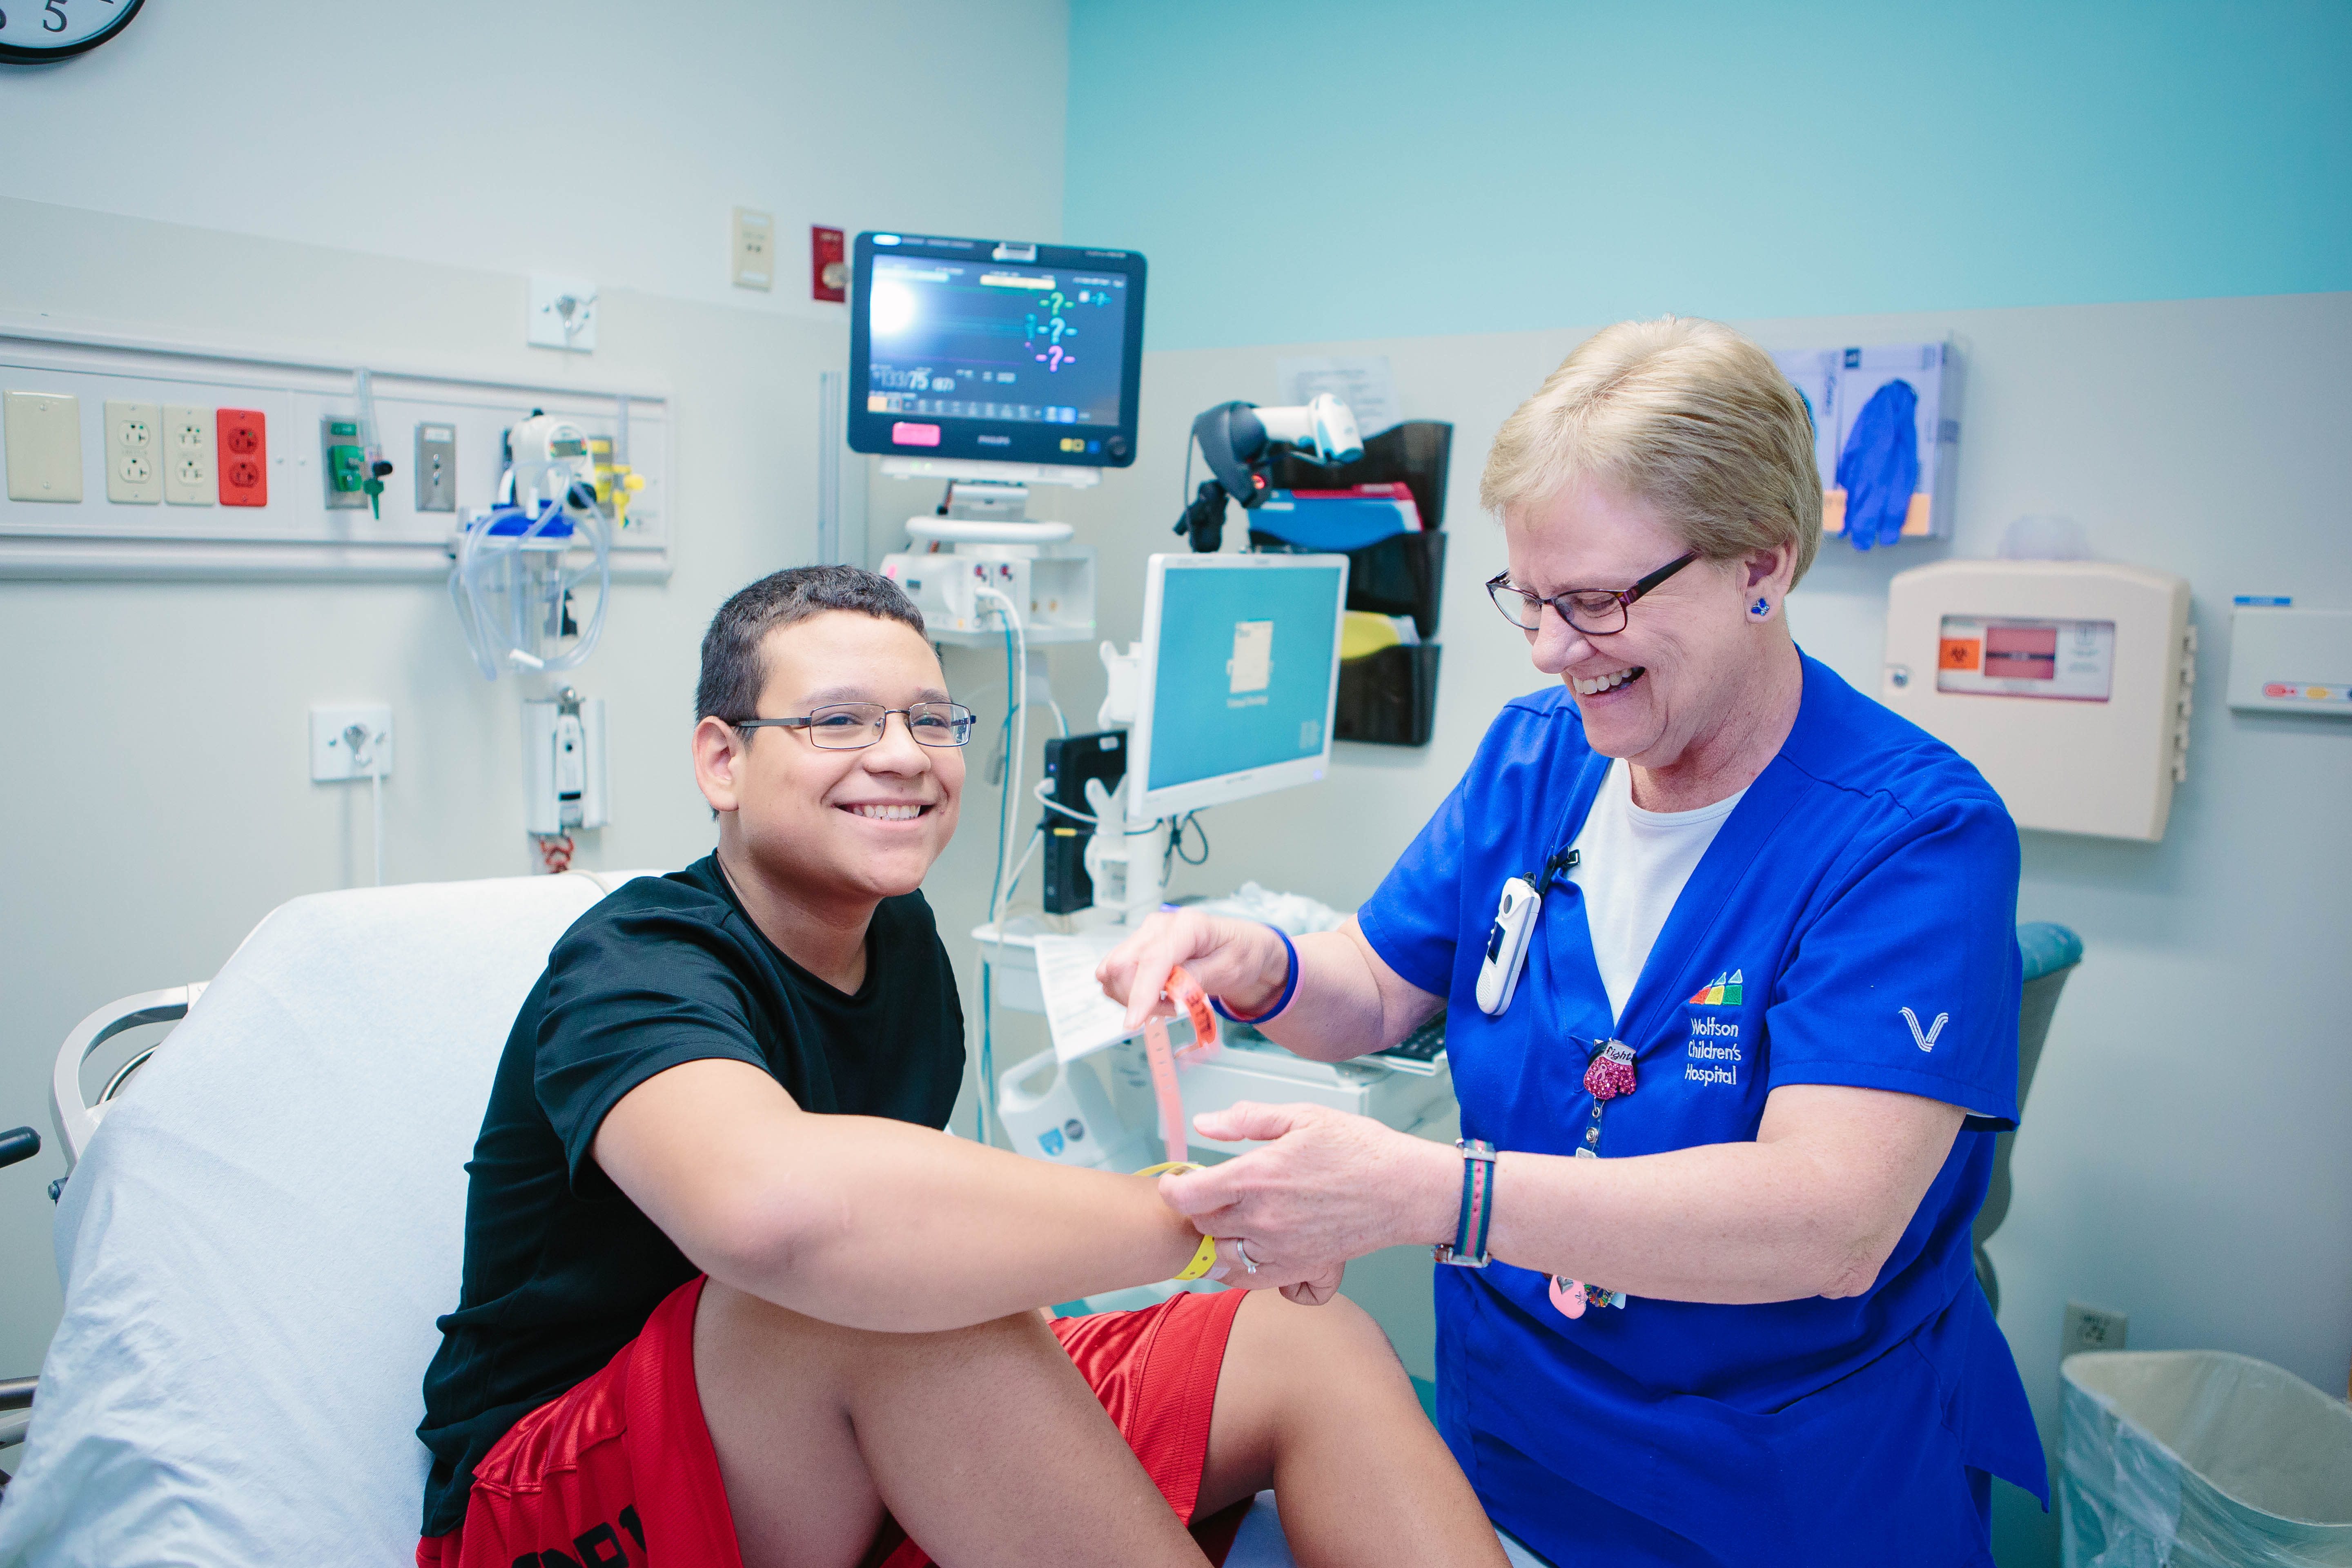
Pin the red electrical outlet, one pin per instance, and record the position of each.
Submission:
(244, 438)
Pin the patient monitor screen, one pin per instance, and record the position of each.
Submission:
(972, 340)
(1241, 673)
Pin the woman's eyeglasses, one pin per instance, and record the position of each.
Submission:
(1595, 611)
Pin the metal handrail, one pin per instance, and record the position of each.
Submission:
(75, 1120)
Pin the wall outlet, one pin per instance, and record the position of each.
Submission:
(562, 314)
(134, 453)
(755, 249)
(350, 741)
(187, 454)
(2091, 1329)
(436, 468)
(44, 445)
(244, 457)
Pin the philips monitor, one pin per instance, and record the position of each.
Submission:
(1240, 669)
(990, 350)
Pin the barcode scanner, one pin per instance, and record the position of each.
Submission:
(1514, 929)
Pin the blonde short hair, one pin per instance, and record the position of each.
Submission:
(1686, 415)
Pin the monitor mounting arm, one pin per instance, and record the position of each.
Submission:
(1241, 440)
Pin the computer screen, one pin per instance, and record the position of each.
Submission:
(990, 349)
(1240, 670)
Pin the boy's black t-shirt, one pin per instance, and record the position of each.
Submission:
(562, 1269)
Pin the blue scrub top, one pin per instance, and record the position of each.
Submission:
(1854, 922)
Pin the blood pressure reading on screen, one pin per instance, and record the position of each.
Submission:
(1995, 656)
(954, 339)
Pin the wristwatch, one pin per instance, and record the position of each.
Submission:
(1468, 1248)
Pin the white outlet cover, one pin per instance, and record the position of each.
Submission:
(562, 314)
(334, 758)
(187, 454)
(134, 452)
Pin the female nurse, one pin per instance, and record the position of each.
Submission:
(1727, 1117)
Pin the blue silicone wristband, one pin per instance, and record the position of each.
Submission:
(1289, 985)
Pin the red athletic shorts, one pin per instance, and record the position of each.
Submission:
(620, 1472)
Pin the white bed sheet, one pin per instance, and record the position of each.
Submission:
(262, 1232)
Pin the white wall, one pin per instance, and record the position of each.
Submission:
(154, 801)
(2183, 1155)
(597, 139)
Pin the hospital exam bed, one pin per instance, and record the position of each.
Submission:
(260, 1227)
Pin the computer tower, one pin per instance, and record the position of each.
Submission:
(1070, 762)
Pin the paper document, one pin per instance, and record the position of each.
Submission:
(1363, 382)
(1083, 1019)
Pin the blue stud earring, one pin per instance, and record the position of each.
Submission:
(1760, 609)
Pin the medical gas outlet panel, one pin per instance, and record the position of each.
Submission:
(2066, 683)
(132, 458)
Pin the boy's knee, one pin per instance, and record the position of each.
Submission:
(1317, 1341)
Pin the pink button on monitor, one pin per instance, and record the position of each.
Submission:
(910, 435)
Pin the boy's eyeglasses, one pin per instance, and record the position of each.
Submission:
(853, 726)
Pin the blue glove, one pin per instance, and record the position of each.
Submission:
(1880, 466)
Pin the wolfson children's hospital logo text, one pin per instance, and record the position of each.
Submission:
(1713, 1053)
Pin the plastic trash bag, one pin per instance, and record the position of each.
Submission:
(1296, 913)
(1880, 466)
(2199, 1458)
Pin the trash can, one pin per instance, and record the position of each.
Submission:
(2201, 1459)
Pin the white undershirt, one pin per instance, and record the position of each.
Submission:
(1631, 866)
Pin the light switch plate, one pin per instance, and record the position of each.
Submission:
(187, 454)
(134, 452)
(333, 754)
(562, 314)
(755, 249)
(44, 445)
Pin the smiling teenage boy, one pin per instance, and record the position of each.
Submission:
(731, 1295)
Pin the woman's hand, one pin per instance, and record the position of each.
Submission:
(1240, 961)
(1310, 1286)
(1327, 1187)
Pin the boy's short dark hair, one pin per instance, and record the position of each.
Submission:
(732, 669)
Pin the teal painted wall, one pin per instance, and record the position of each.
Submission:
(1305, 170)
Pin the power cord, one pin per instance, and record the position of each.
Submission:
(363, 743)
(1043, 793)
(1175, 850)
(1016, 687)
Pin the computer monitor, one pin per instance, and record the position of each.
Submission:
(963, 350)
(1240, 669)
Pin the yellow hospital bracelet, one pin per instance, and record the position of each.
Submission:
(1202, 1260)
(1206, 1258)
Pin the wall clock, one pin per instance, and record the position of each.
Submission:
(33, 30)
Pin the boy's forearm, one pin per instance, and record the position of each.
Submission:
(875, 1223)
